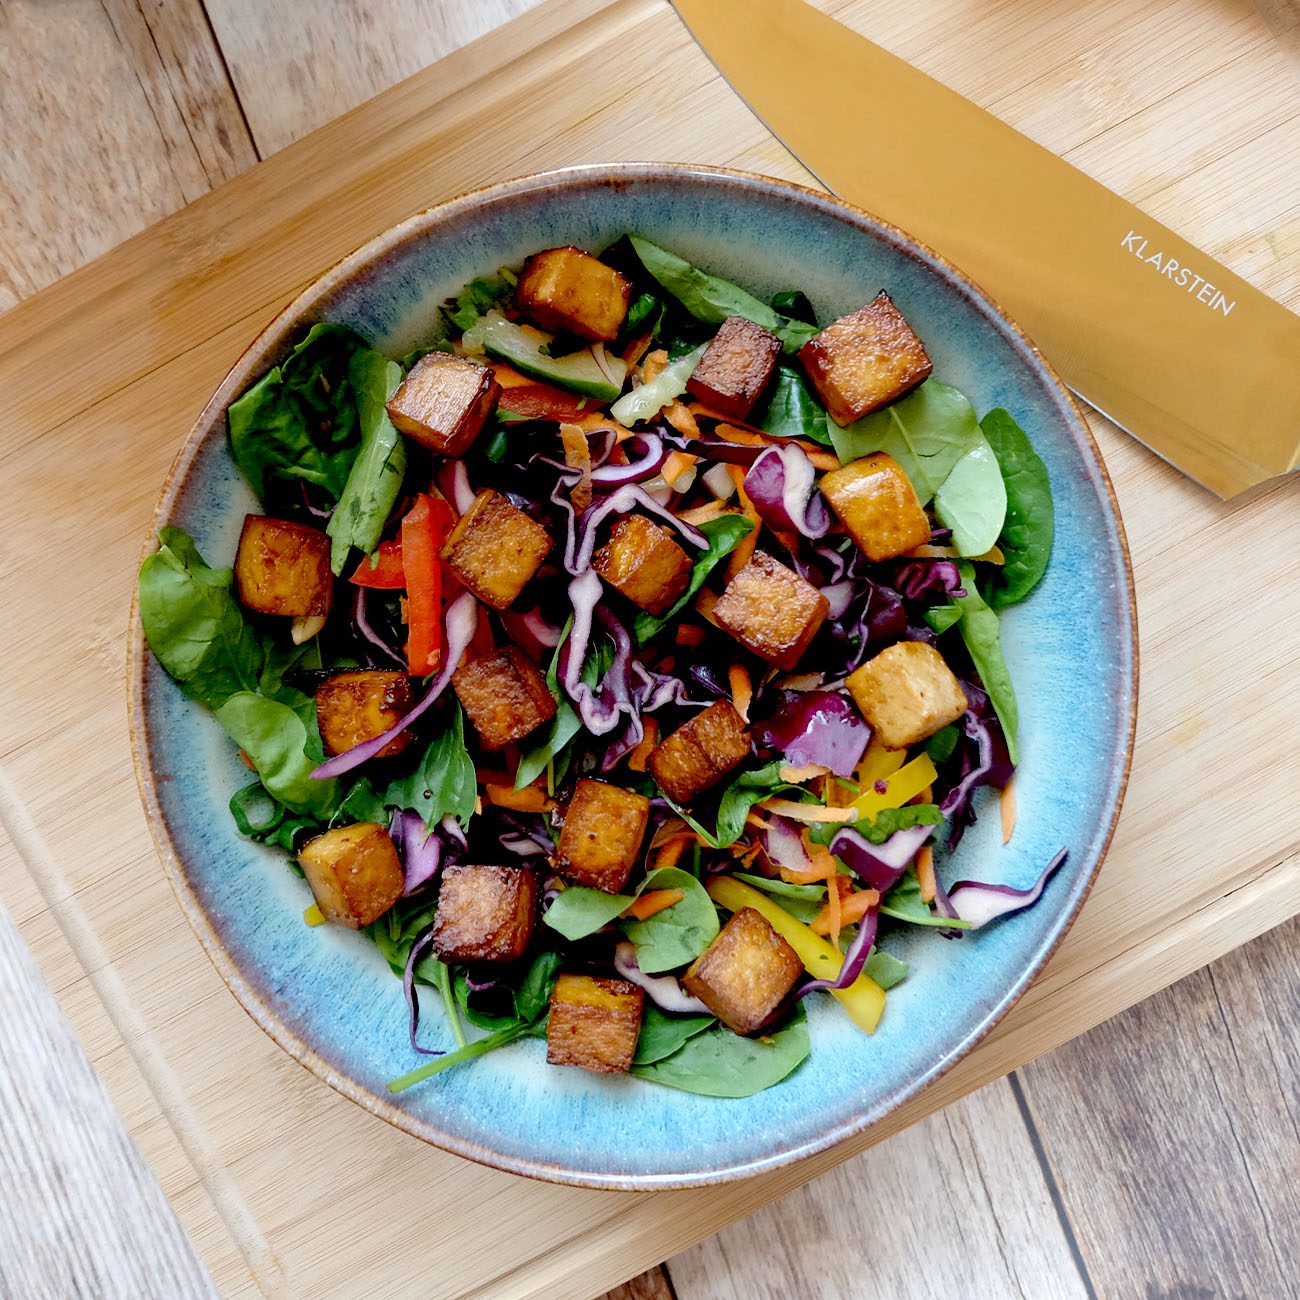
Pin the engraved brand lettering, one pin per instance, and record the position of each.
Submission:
(1176, 273)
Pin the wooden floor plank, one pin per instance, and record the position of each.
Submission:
(1173, 1132)
(955, 1206)
(650, 1285)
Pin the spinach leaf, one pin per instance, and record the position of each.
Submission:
(794, 304)
(711, 299)
(277, 739)
(566, 723)
(793, 411)
(1027, 534)
(889, 820)
(646, 312)
(903, 903)
(927, 433)
(677, 935)
(737, 799)
(724, 534)
(299, 421)
(718, 1063)
(979, 629)
(522, 1006)
(395, 933)
(443, 781)
(972, 501)
(580, 910)
(942, 617)
(886, 969)
(940, 746)
(477, 298)
(662, 1034)
(362, 803)
(803, 902)
(375, 478)
(263, 818)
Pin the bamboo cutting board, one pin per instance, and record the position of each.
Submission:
(288, 1189)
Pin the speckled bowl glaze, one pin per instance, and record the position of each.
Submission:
(325, 994)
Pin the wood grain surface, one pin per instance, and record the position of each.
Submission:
(1190, 108)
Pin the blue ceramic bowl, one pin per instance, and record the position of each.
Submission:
(326, 995)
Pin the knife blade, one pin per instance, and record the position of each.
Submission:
(1173, 347)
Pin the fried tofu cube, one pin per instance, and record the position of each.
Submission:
(495, 549)
(601, 839)
(771, 610)
(484, 913)
(568, 291)
(283, 568)
(594, 1023)
(643, 562)
(735, 367)
(355, 707)
(700, 752)
(878, 506)
(504, 695)
(444, 401)
(907, 693)
(745, 973)
(864, 360)
(354, 873)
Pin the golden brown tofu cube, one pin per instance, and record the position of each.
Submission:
(504, 695)
(643, 562)
(594, 1023)
(865, 359)
(602, 834)
(484, 913)
(700, 752)
(878, 506)
(356, 707)
(495, 549)
(283, 568)
(735, 367)
(354, 872)
(443, 402)
(745, 973)
(771, 610)
(567, 290)
(907, 693)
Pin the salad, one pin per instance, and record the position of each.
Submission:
(615, 662)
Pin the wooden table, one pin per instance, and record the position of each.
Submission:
(1069, 1178)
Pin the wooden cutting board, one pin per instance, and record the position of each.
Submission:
(288, 1189)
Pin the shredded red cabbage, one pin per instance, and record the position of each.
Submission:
(782, 484)
(819, 727)
(855, 958)
(880, 866)
(978, 902)
(928, 582)
(664, 990)
(424, 852)
(363, 626)
(413, 959)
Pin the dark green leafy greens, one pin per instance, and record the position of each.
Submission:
(553, 749)
(889, 820)
(972, 500)
(443, 781)
(803, 902)
(903, 903)
(724, 534)
(662, 1034)
(1027, 533)
(979, 629)
(792, 411)
(680, 933)
(737, 799)
(885, 969)
(477, 298)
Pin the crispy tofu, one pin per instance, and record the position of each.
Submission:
(495, 549)
(771, 610)
(643, 562)
(358, 706)
(594, 1023)
(745, 973)
(601, 839)
(907, 693)
(484, 913)
(568, 291)
(864, 360)
(354, 872)
(504, 695)
(283, 568)
(878, 506)
(444, 401)
(735, 368)
(700, 753)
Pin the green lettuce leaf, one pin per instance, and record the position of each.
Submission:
(680, 933)
(1030, 523)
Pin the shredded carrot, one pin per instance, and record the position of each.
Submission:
(800, 681)
(652, 902)
(798, 775)
(677, 464)
(852, 909)
(925, 873)
(690, 634)
(748, 856)
(753, 819)
(530, 799)
(636, 348)
(681, 419)
(808, 812)
(577, 454)
(509, 377)
(824, 459)
(670, 854)
(746, 437)
(1007, 805)
(742, 689)
(833, 908)
(750, 437)
(823, 867)
(636, 760)
(669, 829)
(928, 552)
(744, 551)
(653, 365)
(597, 420)
(701, 514)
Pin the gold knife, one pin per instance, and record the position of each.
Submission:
(1153, 333)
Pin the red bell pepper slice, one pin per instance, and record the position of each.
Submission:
(387, 573)
(424, 529)
(542, 402)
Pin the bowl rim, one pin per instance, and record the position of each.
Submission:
(269, 346)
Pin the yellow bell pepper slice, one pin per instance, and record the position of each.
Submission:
(864, 999)
(879, 763)
(905, 784)
(314, 916)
